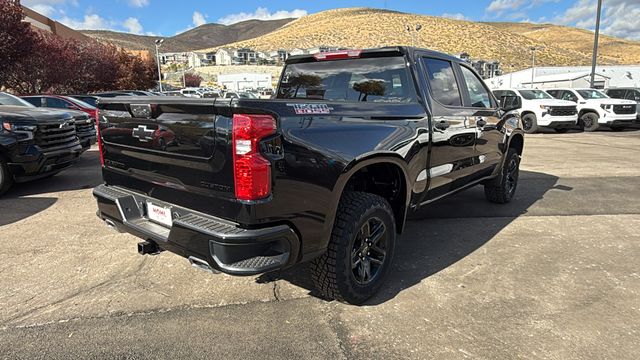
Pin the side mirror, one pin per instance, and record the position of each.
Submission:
(510, 103)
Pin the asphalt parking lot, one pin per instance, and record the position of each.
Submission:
(553, 275)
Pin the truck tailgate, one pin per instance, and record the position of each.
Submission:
(173, 149)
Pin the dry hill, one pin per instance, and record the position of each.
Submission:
(364, 27)
(203, 36)
(610, 49)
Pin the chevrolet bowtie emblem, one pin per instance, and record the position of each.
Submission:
(142, 133)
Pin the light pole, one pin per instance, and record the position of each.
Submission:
(158, 43)
(410, 30)
(594, 59)
(533, 62)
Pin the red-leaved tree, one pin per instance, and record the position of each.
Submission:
(192, 80)
(34, 62)
(17, 40)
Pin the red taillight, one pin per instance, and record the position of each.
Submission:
(346, 54)
(97, 124)
(252, 172)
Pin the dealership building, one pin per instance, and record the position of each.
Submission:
(545, 77)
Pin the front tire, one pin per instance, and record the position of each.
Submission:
(360, 250)
(502, 189)
(530, 123)
(589, 122)
(6, 179)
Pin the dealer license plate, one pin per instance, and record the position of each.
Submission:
(159, 214)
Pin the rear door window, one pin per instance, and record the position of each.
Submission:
(380, 79)
(478, 93)
(442, 82)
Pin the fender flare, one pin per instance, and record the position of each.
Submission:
(385, 157)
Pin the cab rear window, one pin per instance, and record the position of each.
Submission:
(382, 79)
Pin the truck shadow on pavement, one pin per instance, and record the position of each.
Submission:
(442, 234)
(22, 200)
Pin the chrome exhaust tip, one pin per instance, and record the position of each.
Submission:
(202, 265)
(111, 225)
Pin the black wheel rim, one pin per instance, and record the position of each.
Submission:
(527, 123)
(511, 176)
(369, 251)
(587, 122)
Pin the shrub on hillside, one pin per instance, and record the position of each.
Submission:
(192, 80)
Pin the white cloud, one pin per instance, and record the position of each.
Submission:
(44, 9)
(261, 13)
(455, 16)
(133, 25)
(138, 3)
(500, 6)
(199, 19)
(48, 7)
(619, 17)
(89, 22)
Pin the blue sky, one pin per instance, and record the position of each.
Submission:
(168, 17)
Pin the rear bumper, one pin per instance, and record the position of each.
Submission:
(223, 245)
(33, 165)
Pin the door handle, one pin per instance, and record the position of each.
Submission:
(442, 125)
(481, 122)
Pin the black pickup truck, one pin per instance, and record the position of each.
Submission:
(326, 172)
(34, 143)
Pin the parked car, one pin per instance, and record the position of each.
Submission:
(632, 94)
(34, 142)
(265, 93)
(89, 99)
(595, 109)
(192, 92)
(331, 181)
(109, 94)
(540, 109)
(239, 95)
(85, 115)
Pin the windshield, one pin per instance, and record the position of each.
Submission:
(534, 94)
(592, 94)
(81, 103)
(89, 100)
(8, 99)
(381, 79)
(247, 95)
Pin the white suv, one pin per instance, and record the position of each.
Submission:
(540, 109)
(596, 109)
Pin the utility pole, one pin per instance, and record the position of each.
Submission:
(158, 43)
(533, 62)
(594, 59)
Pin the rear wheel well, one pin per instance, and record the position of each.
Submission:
(385, 180)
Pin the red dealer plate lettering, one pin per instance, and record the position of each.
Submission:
(159, 214)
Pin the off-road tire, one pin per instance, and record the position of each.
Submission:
(530, 123)
(502, 189)
(589, 121)
(6, 179)
(332, 273)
